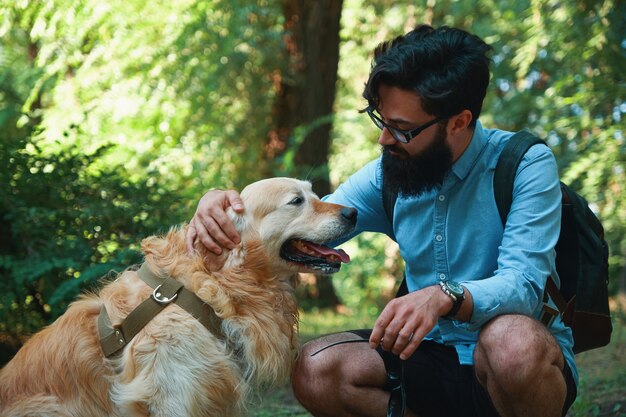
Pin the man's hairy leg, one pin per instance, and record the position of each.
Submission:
(343, 380)
(520, 364)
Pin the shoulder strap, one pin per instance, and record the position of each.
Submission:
(113, 339)
(503, 180)
(509, 160)
(166, 290)
(189, 301)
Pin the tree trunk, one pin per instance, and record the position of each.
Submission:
(306, 89)
(303, 107)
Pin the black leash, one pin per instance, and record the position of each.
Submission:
(338, 343)
(395, 384)
(394, 367)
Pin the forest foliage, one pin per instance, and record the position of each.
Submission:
(116, 116)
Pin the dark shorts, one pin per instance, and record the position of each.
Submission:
(437, 385)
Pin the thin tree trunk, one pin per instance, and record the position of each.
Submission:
(304, 102)
(307, 87)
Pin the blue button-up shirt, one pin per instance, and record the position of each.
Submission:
(454, 232)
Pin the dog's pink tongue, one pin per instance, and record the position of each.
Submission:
(326, 251)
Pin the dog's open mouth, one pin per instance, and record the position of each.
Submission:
(313, 255)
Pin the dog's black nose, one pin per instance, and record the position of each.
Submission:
(350, 214)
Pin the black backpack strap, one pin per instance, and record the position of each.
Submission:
(509, 160)
(503, 180)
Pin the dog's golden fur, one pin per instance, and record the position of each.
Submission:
(175, 366)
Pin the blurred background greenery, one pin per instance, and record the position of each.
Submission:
(116, 116)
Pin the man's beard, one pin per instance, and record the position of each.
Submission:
(413, 175)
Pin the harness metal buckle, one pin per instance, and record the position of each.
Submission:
(159, 298)
(548, 314)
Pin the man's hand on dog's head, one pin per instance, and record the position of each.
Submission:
(211, 226)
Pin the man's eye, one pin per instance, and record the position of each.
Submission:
(296, 201)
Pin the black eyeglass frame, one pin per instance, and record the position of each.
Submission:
(402, 136)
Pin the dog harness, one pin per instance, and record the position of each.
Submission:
(166, 290)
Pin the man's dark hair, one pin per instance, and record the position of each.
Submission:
(448, 68)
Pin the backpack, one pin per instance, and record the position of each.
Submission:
(581, 253)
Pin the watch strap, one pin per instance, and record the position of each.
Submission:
(456, 300)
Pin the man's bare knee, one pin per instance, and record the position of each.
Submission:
(520, 362)
(307, 378)
(514, 346)
(317, 377)
(343, 380)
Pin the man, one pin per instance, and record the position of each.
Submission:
(467, 329)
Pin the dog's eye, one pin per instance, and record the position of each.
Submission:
(296, 201)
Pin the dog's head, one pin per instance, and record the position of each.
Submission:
(284, 230)
(294, 225)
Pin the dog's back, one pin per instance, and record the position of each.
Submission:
(174, 366)
(62, 363)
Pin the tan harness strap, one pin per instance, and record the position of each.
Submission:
(166, 291)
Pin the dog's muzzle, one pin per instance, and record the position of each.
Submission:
(316, 255)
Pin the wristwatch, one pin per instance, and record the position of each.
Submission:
(455, 291)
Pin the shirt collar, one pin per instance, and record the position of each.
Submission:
(468, 159)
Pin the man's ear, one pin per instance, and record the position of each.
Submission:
(460, 122)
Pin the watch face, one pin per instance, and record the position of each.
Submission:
(455, 288)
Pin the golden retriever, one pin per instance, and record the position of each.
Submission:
(174, 366)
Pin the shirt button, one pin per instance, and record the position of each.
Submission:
(438, 238)
(442, 197)
(442, 276)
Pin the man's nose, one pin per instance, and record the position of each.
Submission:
(386, 138)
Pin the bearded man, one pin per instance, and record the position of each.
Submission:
(463, 338)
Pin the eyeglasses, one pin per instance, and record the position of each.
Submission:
(400, 135)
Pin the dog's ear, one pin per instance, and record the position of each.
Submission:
(240, 220)
(213, 262)
(163, 246)
(164, 250)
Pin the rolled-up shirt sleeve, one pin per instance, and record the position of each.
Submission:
(526, 254)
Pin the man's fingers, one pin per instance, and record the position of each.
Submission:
(211, 226)
(387, 326)
(403, 323)
(235, 200)
(392, 334)
(221, 228)
(404, 337)
(379, 329)
(212, 236)
(190, 236)
(412, 345)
